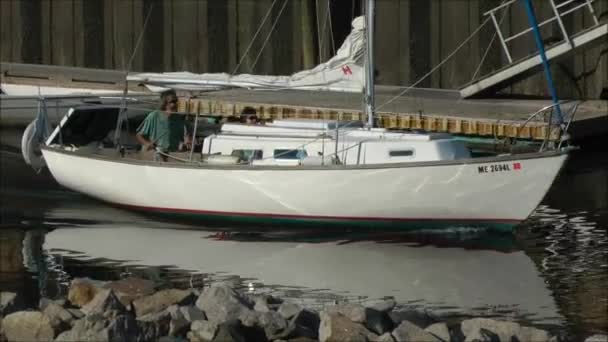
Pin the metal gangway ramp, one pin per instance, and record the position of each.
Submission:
(517, 70)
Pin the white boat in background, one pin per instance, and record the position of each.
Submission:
(309, 172)
(26, 90)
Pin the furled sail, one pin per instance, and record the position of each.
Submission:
(343, 72)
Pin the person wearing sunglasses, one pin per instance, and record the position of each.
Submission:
(163, 130)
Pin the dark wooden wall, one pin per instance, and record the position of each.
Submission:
(213, 36)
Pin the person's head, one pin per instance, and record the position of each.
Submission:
(248, 115)
(251, 119)
(168, 101)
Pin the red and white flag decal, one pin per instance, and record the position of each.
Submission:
(346, 70)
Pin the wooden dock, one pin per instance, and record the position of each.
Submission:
(433, 110)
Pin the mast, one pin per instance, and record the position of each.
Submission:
(543, 56)
(369, 63)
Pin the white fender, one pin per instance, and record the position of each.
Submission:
(30, 147)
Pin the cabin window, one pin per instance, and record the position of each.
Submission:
(289, 154)
(248, 155)
(401, 153)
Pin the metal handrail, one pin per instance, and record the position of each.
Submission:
(556, 17)
(563, 128)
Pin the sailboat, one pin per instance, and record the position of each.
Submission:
(310, 172)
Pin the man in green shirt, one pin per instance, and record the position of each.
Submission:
(162, 130)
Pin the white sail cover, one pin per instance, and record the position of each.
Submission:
(343, 72)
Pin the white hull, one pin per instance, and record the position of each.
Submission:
(462, 193)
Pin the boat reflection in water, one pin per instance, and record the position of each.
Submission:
(317, 268)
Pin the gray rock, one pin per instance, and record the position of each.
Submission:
(418, 317)
(10, 302)
(27, 326)
(105, 303)
(264, 303)
(562, 337)
(440, 330)
(249, 318)
(261, 305)
(407, 331)
(221, 303)
(378, 322)
(164, 315)
(233, 330)
(178, 324)
(130, 289)
(304, 324)
(60, 318)
(354, 312)
(171, 339)
(121, 328)
(126, 328)
(151, 331)
(504, 330)
(157, 323)
(384, 305)
(288, 310)
(44, 302)
(532, 334)
(386, 337)
(336, 327)
(597, 338)
(89, 328)
(273, 324)
(192, 313)
(162, 300)
(203, 330)
(76, 313)
(481, 335)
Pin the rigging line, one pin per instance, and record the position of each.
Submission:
(268, 12)
(466, 41)
(331, 29)
(324, 30)
(319, 37)
(123, 105)
(139, 39)
(504, 15)
(255, 62)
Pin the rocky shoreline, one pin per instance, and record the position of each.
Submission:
(132, 310)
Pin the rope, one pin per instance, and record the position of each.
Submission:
(323, 32)
(254, 38)
(504, 15)
(176, 158)
(255, 62)
(123, 105)
(466, 41)
(331, 29)
(319, 36)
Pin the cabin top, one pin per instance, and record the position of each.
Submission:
(315, 128)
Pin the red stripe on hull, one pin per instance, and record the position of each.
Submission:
(313, 218)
